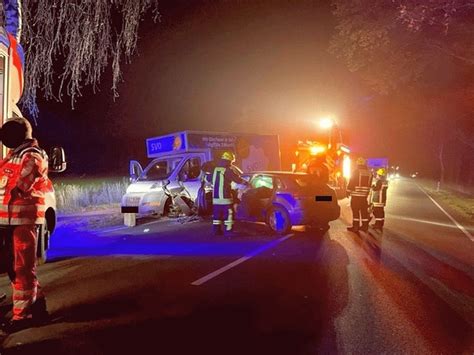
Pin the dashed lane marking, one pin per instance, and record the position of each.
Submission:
(461, 228)
(243, 259)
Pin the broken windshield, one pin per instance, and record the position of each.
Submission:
(160, 169)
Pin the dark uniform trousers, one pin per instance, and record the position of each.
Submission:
(223, 215)
(360, 212)
(379, 214)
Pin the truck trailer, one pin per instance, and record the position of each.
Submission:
(177, 160)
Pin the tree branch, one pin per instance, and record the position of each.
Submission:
(451, 53)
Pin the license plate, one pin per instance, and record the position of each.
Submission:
(128, 209)
(323, 198)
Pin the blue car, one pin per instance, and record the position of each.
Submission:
(286, 199)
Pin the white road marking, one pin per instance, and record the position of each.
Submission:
(417, 220)
(233, 264)
(112, 229)
(461, 228)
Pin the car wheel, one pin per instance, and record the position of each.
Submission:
(43, 241)
(278, 219)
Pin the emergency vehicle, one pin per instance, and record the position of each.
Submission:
(11, 89)
(177, 160)
(335, 158)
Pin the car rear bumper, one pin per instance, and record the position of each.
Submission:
(308, 216)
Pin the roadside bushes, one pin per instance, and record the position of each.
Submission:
(88, 193)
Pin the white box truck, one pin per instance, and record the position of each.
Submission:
(178, 158)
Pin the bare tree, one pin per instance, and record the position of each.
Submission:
(401, 47)
(70, 43)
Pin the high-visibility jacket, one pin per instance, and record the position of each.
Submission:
(222, 178)
(379, 193)
(23, 185)
(360, 182)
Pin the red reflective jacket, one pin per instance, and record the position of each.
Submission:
(23, 185)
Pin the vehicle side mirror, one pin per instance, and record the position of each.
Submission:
(57, 160)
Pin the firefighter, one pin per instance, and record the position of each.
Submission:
(223, 198)
(358, 189)
(319, 170)
(23, 183)
(379, 198)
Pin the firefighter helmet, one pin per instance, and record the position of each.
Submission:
(381, 172)
(228, 156)
(360, 161)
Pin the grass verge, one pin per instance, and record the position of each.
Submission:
(462, 205)
(79, 195)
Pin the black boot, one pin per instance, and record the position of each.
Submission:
(39, 311)
(216, 229)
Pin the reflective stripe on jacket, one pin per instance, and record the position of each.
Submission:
(23, 185)
(379, 194)
(222, 178)
(360, 182)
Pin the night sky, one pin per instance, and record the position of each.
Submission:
(244, 66)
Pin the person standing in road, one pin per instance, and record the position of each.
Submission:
(23, 184)
(319, 170)
(358, 189)
(222, 198)
(379, 198)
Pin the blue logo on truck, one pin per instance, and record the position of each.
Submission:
(166, 144)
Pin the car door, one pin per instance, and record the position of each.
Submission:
(260, 195)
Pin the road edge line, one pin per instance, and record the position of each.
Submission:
(456, 223)
(239, 261)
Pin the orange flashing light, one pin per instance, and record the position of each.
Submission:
(316, 149)
(345, 149)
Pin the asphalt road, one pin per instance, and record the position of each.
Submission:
(170, 288)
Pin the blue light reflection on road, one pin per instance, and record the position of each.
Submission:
(74, 240)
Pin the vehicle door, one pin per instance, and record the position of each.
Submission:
(190, 174)
(259, 196)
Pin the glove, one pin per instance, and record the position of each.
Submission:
(16, 193)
